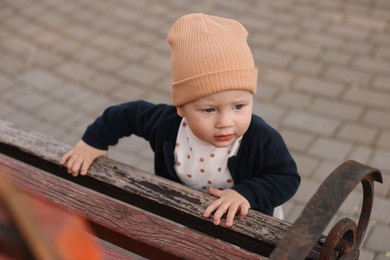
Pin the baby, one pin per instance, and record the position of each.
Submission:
(208, 139)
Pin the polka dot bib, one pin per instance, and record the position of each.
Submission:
(200, 165)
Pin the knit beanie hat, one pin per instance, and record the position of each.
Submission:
(209, 54)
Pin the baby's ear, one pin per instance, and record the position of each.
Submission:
(180, 111)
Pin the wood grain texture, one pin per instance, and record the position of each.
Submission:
(257, 232)
(139, 231)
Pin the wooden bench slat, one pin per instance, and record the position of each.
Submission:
(141, 232)
(257, 232)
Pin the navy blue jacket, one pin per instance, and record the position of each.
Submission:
(263, 170)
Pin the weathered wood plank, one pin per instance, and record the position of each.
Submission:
(257, 232)
(108, 253)
(135, 230)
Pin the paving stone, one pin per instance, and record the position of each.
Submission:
(325, 168)
(124, 94)
(159, 62)
(26, 98)
(312, 25)
(381, 205)
(5, 81)
(373, 65)
(306, 190)
(268, 112)
(381, 243)
(352, 205)
(12, 65)
(96, 104)
(348, 32)
(87, 55)
(109, 63)
(296, 140)
(104, 83)
(323, 40)
(331, 149)
(310, 123)
(286, 32)
(67, 90)
(66, 47)
(78, 31)
(357, 133)
(271, 58)
(107, 42)
(382, 82)
(305, 164)
(307, 67)
(361, 154)
(53, 112)
(157, 98)
(336, 57)
(348, 76)
(140, 75)
(377, 118)
(279, 78)
(382, 190)
(52, 19)
(265, 91)
(299, 48)
(22, 118)
(336, 109)
(383, 256)
(45, 58)
(380, 159)
(384, 140)
(39, 79)
(258, 41)
(76, 71)
(316, 86)
(383, 52)
(367, 254)
(367, 23)
(357, 48)
(294, 100)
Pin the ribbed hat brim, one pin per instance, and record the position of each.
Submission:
(190, 89)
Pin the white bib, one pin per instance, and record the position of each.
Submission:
(200, 165)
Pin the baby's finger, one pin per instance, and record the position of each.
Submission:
(65, 157)
(211, 208)
(244, 209)
(231, 214)
(70, 163)
(73, 165)
(76, 167)
(85, 166)
(223, 208)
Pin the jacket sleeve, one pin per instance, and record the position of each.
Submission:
(137, 117)
(273, 178)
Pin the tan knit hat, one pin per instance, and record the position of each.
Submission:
(209, 54)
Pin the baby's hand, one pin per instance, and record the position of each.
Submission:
(230, 201)
(80, 158)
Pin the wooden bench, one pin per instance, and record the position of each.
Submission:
(157, 218)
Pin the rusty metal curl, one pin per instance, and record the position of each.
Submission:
(343, 241)
(340, 240)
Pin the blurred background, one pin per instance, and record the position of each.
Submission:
(324, 79)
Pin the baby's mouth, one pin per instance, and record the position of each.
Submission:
(224, 138)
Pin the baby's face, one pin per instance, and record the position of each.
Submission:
(221, 118)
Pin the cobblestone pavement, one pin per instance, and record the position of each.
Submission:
(324, 66)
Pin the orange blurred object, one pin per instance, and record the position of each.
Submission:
(36, 229)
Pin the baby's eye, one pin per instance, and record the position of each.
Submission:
(238, 107)
(208, 110)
